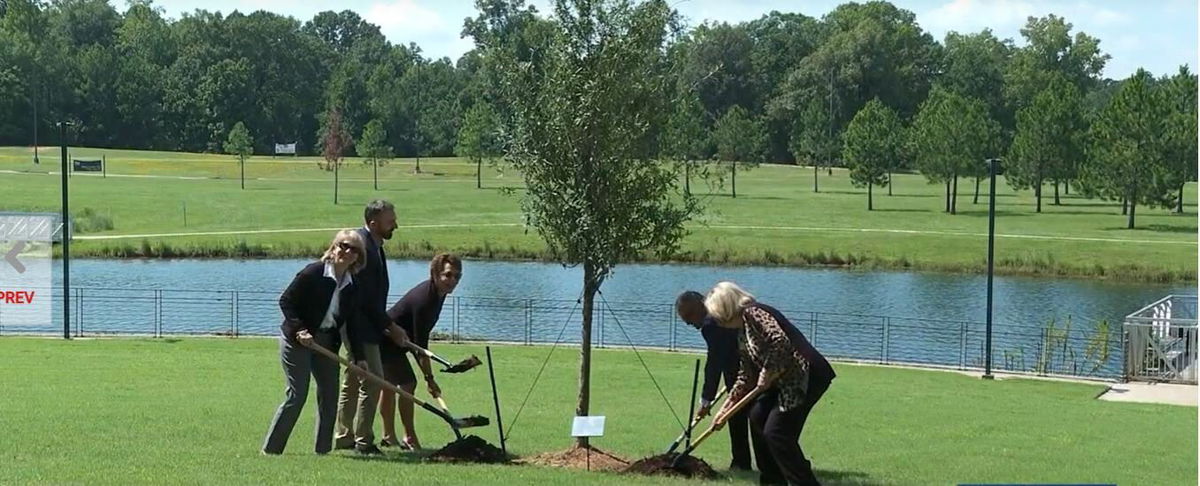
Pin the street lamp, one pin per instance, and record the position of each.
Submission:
(66, 231)
(993, 166)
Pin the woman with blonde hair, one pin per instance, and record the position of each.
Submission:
(777, 358)
(316, 306)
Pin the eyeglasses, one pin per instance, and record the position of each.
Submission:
(347, 246)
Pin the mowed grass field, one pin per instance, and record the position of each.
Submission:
(287, 210)
(194, 411)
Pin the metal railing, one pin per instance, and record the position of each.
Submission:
(1093, 350)
(1161, 342)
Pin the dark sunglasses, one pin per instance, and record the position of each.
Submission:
(346, 246)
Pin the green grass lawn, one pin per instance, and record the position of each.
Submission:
(195, 411)
(776, 218)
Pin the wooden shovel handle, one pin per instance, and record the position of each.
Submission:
(372, 377)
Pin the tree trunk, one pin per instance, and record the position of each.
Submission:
(479, 173)
(1124, 206)
(418, 168)
(1067, 187)
(375, 171)
(687, 178)
(1132, 211)
(815, 173)
(1179, 203)
(1037, 192)
(870, 200)
(954, 197)
(976, 201)
(335, 182)
(947, 195)
(734, 179)
(585, 348)
(889, 182)
(1057, 202)
(242, 165)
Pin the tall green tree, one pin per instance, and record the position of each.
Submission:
(584, 135)
(479, 138)
(372, 145)
(740, 140)
(1128, 147)
(950, 137)
(687, 136)
(1048, 145)
(241, 144)
(973, 65)
(1051, 50)
(872, 146)
(1181, 153)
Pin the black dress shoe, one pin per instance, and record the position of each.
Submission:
(367, 450)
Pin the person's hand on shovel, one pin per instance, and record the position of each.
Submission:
(705, 409)
(304, 337)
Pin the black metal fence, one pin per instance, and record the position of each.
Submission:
(1088, 350)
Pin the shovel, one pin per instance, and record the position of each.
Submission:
(462, 366)
(695, 422)
(719, 422)
(455, 423)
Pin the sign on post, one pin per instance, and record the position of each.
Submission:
(285, 148)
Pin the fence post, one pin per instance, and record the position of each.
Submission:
(528, 323)
(671, 344)
(812, 336)
(78, 312)
(231, 313)
(886, 321)
(962, 345)
(237, 312)
(601, 333)
(158, 313)
(454, 328)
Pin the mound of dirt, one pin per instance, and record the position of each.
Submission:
(470, 449)
(661, 465)
(577, 458)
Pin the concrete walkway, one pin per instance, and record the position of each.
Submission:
(1152, 393)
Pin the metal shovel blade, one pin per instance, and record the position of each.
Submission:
(464, 366)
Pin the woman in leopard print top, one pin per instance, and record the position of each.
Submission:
(774, 356)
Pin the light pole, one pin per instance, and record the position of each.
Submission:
(992, 168)
(66, 231)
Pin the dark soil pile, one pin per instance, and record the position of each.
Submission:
(661, 465)
(470, 449)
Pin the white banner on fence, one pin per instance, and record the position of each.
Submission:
(285, 148)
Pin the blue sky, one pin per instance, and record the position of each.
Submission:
(1158, 35)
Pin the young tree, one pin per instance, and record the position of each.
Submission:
(813, 136)
(241, 144)
(1047, 145)
(584, 134)
(373, 145)
(1181, 131)
(739, 140)
(951, 136)
(872, 145)
(479, 138)
(686, 139)
(334, 142)
(1128, 146)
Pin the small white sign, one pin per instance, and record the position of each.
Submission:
(588, 426)
(285, 148)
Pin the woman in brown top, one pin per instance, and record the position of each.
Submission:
(777, 357)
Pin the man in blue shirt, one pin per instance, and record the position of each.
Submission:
(722, 360)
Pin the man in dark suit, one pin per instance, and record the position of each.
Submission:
(721, 360)
(359, 398)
